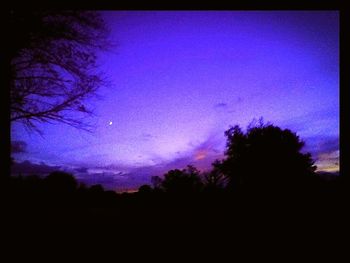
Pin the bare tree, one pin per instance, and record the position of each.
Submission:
(53, 66)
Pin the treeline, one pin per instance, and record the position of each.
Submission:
(263, 177)
(262, 161)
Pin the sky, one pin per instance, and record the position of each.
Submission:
(179, 79)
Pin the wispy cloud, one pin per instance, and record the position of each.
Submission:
(320, 132)
(221, 105)
(319, 144)
(27, 167)
(317, 122)
(147, 136)
(201, 155)
(81, 170)
(325, 151)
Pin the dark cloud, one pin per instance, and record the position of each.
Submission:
(115, 181)
(331, 144)
(27, 167)
(324, 150)
(221, 105)
(81, 170)
(112, 168)
(18, 146)
(147, 136)
(123, 178)
(105, 179)
(321, 144)
(316, 118)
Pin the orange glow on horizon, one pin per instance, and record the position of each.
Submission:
(200, 155)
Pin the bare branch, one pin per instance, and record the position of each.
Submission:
(53, 66)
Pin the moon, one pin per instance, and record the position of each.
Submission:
(110, 123)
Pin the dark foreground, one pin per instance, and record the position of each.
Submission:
(226, 221)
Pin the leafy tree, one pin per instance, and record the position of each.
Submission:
(156, 182)
(184, 181)
(215, 179)
(61, 182)
(96, 189)
(266, 158)
(53, 65)
(145, 189)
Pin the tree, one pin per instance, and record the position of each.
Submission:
(215, 179)
(145, 189)
(61, 182)
(156, 182)
(96, 189)
(265, 158)
(184, 181)
(53, 65)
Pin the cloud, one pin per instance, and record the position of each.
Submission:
(18, 147)
(330, 144)
(330, 156)
(324, 121)
(112, 176)
(325, 151)
(117, 181)
(81, 170)
(328, 162)
(319, 144)
(201, 156)
(121, 177)
(108, 180)
(147, 136)
(27, 167)
(221, 105)
(320, 131)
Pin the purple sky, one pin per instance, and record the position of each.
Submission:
(179, 79)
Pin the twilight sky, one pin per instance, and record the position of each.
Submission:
(179, 79)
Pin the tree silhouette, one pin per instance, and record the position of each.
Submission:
(53, 65)
(215, 179)
(265, 158)
(184, 181)
(96, 189)
(61, 182)
(156, 182)
(145, 189)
